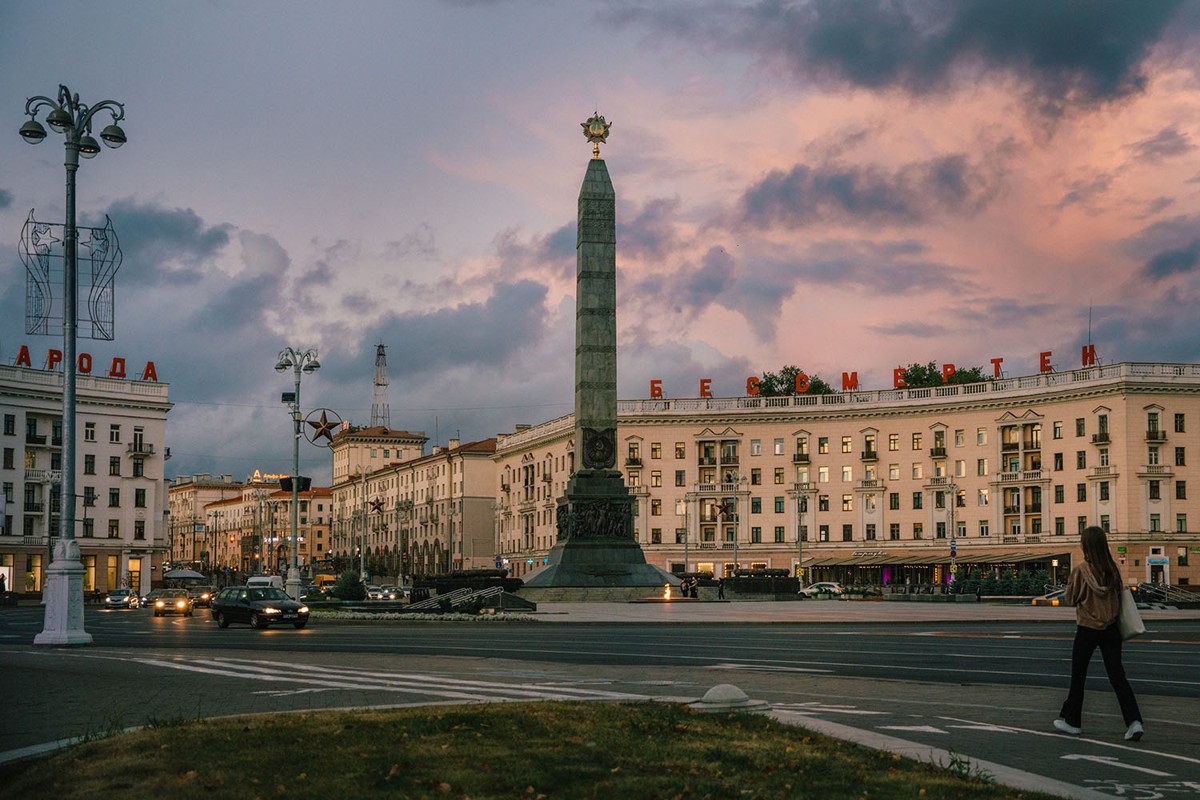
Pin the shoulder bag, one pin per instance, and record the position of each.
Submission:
(1129, 621)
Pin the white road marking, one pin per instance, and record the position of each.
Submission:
(914, 728)
(1111, 761)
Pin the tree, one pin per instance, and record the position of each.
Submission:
(783, 383)
(349, 586)
(922, 376)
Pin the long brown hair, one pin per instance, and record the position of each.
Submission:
(1096, 553)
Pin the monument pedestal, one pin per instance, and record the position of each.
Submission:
(63, 594)
(596, 546)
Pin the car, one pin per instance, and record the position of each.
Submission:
(374, 593)
(173, 601)
(202, 595)
(389, 592)
(257, 606)
(822, 587)
(121, 598)
(312, 593)
(148, 598)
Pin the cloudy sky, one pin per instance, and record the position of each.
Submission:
(843, 185)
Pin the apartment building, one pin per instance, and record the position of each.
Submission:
(121, 497)
(901, 486)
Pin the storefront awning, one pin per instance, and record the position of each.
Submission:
(914, 559)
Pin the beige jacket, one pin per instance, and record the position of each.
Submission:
(1096, 605)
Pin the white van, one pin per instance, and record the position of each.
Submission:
(265, 580)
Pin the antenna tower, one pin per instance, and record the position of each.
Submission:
(380, 416)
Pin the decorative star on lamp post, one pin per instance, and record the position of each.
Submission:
(321, 426)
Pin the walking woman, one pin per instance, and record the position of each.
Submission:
(1094, 588)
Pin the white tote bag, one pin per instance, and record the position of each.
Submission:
(1129, 621)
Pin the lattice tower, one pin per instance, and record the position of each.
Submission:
(380, 415)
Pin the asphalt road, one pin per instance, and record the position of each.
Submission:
(985, 690)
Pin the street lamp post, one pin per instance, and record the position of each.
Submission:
(298, 362)
(64, 578)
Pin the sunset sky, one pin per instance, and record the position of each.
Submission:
(841, 185)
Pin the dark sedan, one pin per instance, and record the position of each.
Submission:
(259, 607)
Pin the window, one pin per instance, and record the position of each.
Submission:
(114, 434)
(9, 458)
(89, 431)
(114, 529)
(779, 447)
(847, 474)
(89, 496)
(981, 466)
(822, 474)
(981, 436)
(893, 441)
(847, 502)
(939, 531)
(1155, 488)
(755, 505)
(1155, 523)
(822, 502)
(778, 505)
(633, 456)
(680, 535)
(139, 529)
(958, 437)
(656, 452)
(1059, 493)
(1181, 490)
(918, 470)
(894, 531)
(779, 474)
(960, 469)
(981, 499)
(1081, 492)
(1060, 526)
(847, 533)
(680, 477)
(10, 424)
(656, 508)
(847, 444)
(1104, 456)
(1181, 527)
(918, 500)
(1080, 524)
(823, 533)
(1080, 426)
(779, 534)
(1058, 462)
(755, 535)
(1058, 430)
(680, 450)
(114, 498)
(1179, 423)
(984, 530)
(139, 498)
(916, 441)
(869, 532)
(893, 472)
(894, 501)
(89, 465)
(756, 477)
(656, 478)
(89, 528)
(1152, 456)
(918, 530)
(114, 465)
(823, 444)
(1180, 458)
(1103, 491)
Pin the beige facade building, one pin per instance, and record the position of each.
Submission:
(893, 487)
(121, 499)
(418, 515)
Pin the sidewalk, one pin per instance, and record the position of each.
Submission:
(820, 611)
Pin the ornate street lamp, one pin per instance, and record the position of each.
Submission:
(306, 363)
(64, 577)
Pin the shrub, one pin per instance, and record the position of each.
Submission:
(349, 586)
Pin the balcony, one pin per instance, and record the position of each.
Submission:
(870, 484)
(33, 508)
(1009, 447)
(1033, 508)
(800, 458)
(1156, 435)
(1010, 509)
(707, 461)
(937, 452)
(139, 449)
(633, 461)
(1101, 438)
(870, 455)
(1021, 476)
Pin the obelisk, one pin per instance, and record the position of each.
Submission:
(596, 545)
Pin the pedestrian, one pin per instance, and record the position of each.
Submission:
(1094, 588)
(720, 588)
(3, 588)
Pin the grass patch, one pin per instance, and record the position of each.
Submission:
(632, 751)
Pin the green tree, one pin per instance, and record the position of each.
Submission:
(783, 383)
(923, 376)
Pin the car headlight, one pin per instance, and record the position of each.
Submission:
(159, 604)
(302, 610)
(269, 610)
(180, 603)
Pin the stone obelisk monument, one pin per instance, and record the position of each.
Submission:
(596, 546)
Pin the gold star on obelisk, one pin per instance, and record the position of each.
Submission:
(596, 131)
(323, 428)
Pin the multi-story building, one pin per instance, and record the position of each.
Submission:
(187, 499)
(121, 502)
(893, 486)
(420, 514)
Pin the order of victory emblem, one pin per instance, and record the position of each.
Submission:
(595, 130)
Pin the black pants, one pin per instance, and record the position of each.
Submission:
(1109, 642)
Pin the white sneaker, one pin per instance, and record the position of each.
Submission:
(1066, 727)
(1135, 731)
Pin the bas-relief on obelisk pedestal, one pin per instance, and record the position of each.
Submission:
(596, 546)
